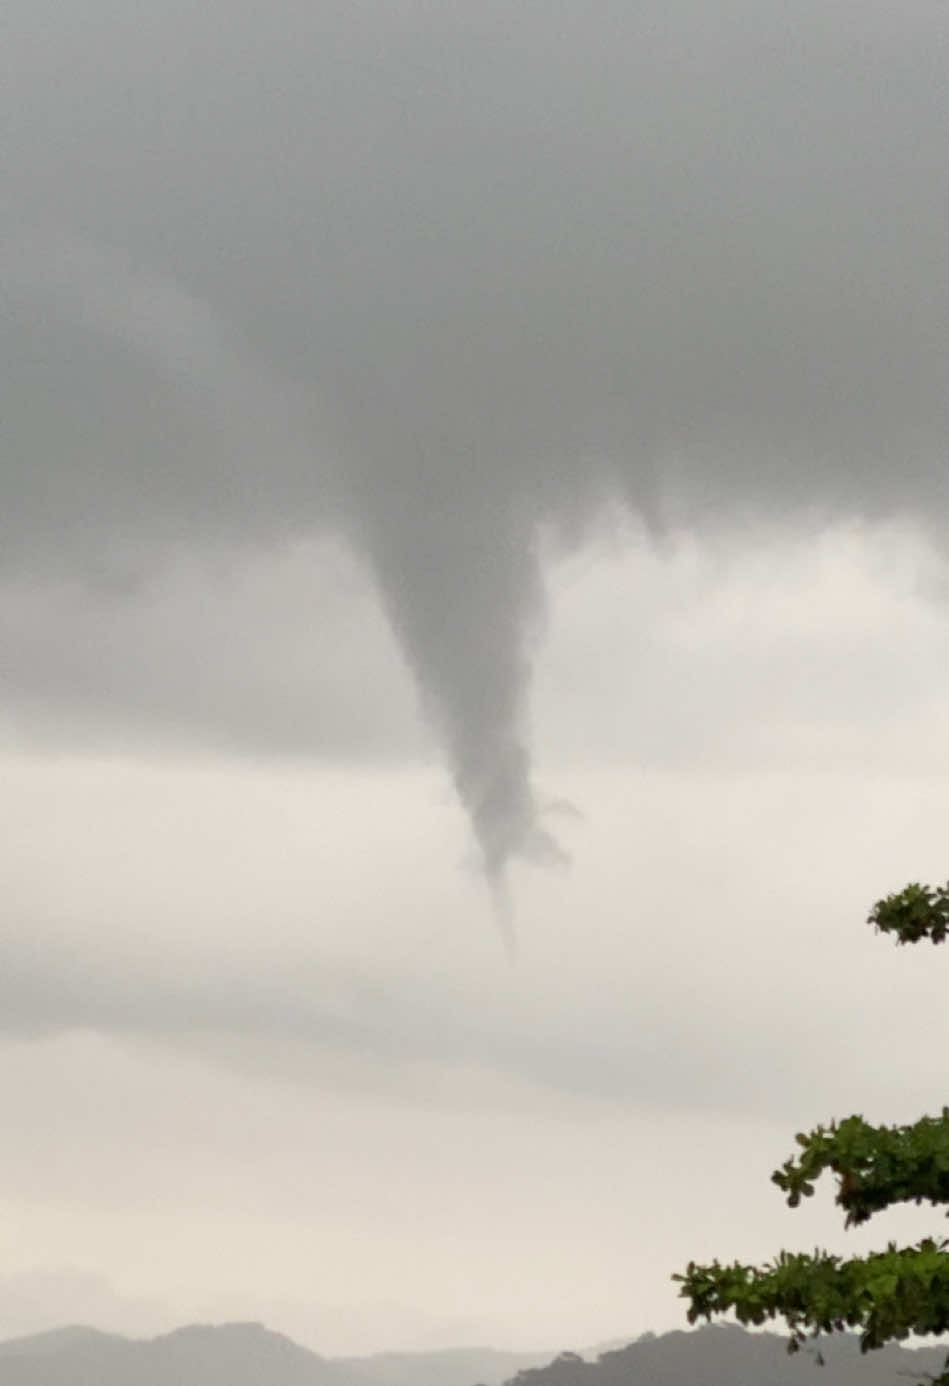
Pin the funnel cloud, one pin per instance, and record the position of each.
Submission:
(444, 279)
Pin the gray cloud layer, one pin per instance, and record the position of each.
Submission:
(439, 276)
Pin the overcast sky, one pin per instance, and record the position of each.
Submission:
(473, 645)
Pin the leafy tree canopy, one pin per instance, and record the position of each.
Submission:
(889, 1294)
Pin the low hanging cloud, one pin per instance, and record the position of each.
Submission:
(441, 280)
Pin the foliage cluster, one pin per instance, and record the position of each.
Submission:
(876, 1166)
(914, 913)
(887, 1295)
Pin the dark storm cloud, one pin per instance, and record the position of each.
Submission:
(277, 652)
(437, 276)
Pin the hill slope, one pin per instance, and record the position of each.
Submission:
(233, 1355)
(453, 1367)
(729, 1356)
(250, 1355)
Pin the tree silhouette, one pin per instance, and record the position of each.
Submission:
(886, 1295)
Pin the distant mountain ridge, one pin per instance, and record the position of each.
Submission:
(54, 1340)
(449, 1367)
(199, 1355)
(238, 1354)
(726, 1355)
(248, 1354)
